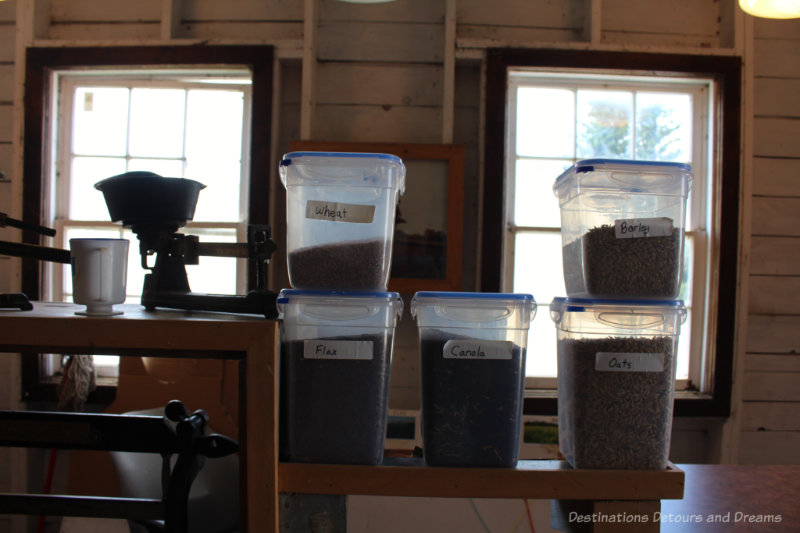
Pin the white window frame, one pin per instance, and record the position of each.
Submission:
(58, 173)
(700, 209)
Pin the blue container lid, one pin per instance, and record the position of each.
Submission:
(343, 169)
(287, 295)
(633, 314)
(287, 158)
(590, 165)
(624, 175)
(513, 296)
(582, 304)
(474, 307)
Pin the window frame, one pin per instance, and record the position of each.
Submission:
(726, 71)
(41, 62)
(571, 79)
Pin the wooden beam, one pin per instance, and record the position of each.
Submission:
(448, 86)
(309, 67)
(170, 18)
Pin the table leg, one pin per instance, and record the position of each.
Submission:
(261, 433)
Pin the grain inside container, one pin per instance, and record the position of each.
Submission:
(336, 353)
(340, 214)
(472, 352)
(616, 380)
(623, 227)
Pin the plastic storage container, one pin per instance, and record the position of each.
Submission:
(622, 228)
(616, 381)
(336, 351)
(472, 348)
(340, 211)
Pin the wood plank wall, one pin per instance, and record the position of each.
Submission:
(771, 387)
(382, 73)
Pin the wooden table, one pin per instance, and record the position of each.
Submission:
(54, 327)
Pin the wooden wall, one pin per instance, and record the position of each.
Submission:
(410, 71)
(770, 388)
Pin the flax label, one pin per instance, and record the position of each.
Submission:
(340, 212)
(634, 228)
(472, 349)
(327, 349)
(629, 362)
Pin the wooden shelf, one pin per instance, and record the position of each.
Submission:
(531, 479)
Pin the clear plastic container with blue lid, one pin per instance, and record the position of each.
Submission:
(616, 380)
(472, 349)
(340, 214)
(623, 227)
(336, 353)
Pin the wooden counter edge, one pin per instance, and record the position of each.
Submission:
(531, 479)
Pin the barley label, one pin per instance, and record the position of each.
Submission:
(473, 349)
(635, 228)
(328, 349)
(628, 362)
(340, 212)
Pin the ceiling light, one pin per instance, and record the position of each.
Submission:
(773, 9)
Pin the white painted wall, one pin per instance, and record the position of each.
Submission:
(410, 71)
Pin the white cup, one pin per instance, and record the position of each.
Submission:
(99, 274)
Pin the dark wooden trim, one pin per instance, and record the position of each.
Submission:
(40, 62)
(725, 70)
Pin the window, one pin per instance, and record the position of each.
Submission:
(186, 124)
(237, 78)
(558, 107)
(556, 118)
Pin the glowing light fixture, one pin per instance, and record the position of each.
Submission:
(772, 9)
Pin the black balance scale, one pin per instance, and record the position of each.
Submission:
(154, 208)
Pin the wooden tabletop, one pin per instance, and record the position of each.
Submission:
(735, 498)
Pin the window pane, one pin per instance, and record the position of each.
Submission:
(86, 202)
(541, 359)
(213, 275)
(157, 117)
(100, 121)
(605, 124)
(213, 151)
(684, 348)
(545, 122)
(537, 265)
(663, 126)
(219, 201)
(534, 201)
(171, 168)
(214, 125)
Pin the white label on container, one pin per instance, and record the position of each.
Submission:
(340, 212)
(634, 228)
(474, 349)
(327, 349)
(629, 362)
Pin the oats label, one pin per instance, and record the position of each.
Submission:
(629, 362)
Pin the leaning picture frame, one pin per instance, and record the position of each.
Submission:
(427, 245)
